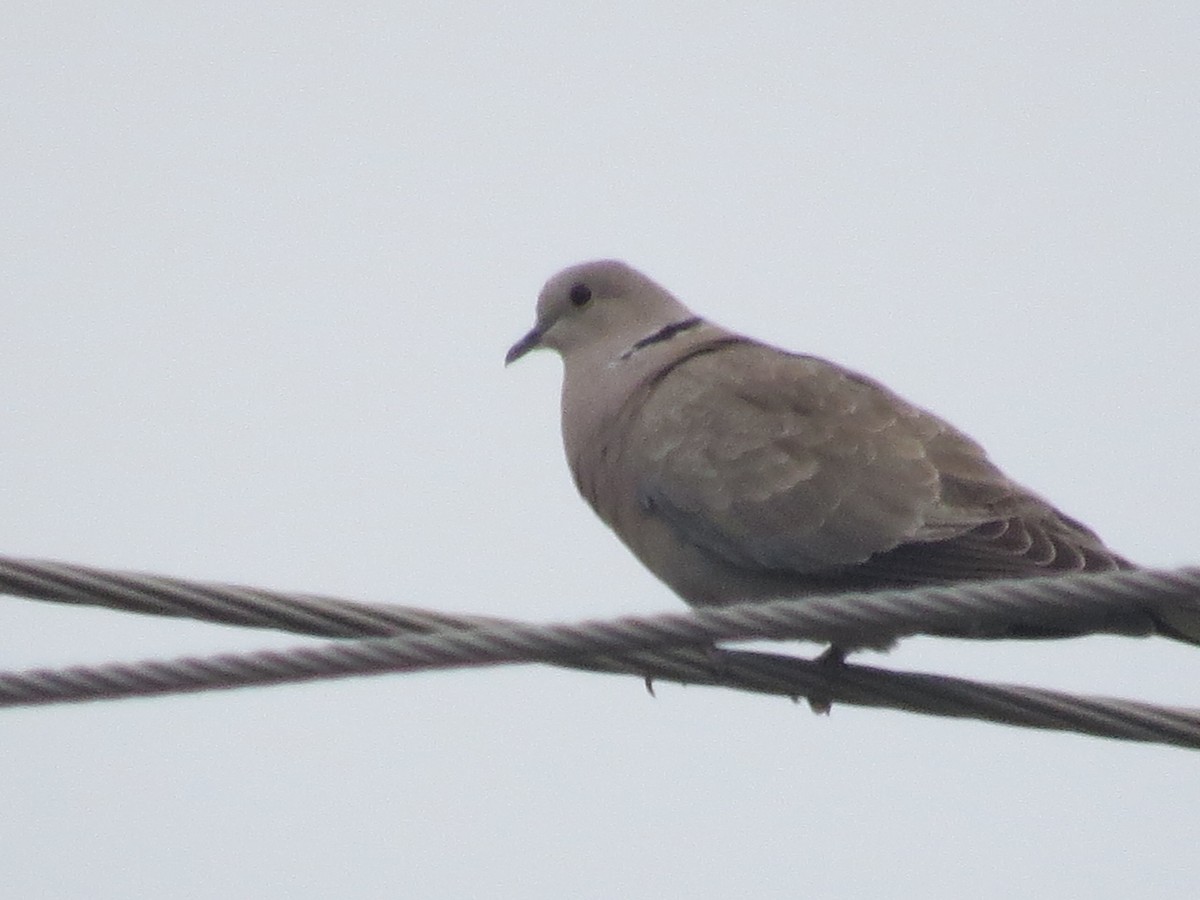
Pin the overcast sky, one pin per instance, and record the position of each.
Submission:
(260, 268)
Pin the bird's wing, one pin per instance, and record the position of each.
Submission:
(780, 462)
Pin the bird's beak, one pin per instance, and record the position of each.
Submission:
(531, 341)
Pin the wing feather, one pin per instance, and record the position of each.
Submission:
(780, 462)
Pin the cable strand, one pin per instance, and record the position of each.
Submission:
(679, 647)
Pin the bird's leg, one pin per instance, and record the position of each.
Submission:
(833, 657)
(831, 660)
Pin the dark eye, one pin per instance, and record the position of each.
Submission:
(580, 294)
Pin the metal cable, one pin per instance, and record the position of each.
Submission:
(1122, 602)
(765, 673)
(674, 647)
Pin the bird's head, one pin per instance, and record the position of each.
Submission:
(602, 305)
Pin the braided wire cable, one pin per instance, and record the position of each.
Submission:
(675, 646)
(763, 673)
(1122, 602)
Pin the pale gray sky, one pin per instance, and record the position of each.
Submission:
(260, 268)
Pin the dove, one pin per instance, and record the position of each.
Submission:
(736, 471)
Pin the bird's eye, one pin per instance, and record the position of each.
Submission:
(580, 294)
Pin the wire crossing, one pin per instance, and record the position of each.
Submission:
(681, 647)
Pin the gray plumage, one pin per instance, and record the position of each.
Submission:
(737, 471)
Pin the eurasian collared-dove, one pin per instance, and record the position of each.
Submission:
(737, 471)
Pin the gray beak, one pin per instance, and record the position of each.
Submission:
(531, 341)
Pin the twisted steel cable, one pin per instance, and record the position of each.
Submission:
(675, 647)
(1083, 603)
